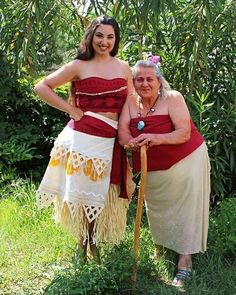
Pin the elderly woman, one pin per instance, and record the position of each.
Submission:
(178, 178)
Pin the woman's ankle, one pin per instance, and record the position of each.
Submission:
(185, 262)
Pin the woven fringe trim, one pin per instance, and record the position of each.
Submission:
(75, 162)
(109, 226)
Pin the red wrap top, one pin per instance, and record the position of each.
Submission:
(162, 157)
(97, 94)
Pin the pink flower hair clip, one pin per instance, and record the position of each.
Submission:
(155, 59)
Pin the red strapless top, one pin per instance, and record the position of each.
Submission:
(97, 94)
(162, 157)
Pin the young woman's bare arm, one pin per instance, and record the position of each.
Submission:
(45, 89)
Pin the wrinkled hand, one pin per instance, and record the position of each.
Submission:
(132, 145)
(147, 139)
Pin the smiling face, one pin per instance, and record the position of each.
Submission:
(103, 39)
(146, 83)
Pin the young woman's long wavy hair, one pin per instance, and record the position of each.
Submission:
(86, 51)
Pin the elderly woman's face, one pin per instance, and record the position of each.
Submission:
(146, 83)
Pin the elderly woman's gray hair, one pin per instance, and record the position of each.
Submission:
(165, 87)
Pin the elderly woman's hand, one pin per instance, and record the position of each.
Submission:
(132, 144)
(148, 139)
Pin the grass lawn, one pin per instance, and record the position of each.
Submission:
(38, 257)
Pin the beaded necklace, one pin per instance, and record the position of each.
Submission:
(141, 123)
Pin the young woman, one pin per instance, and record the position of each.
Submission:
(90, 197)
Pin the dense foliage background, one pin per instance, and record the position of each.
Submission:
(195, 39)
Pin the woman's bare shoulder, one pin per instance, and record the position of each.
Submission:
(123, 63)
(174, 95)
(77, 63)
(132, 99)
(78, 67)
(73, 65)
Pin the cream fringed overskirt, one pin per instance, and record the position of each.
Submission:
(77, 182)
(177, 203)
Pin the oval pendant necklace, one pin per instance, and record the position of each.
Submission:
(141, 123)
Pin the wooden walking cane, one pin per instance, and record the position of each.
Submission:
(142, 188)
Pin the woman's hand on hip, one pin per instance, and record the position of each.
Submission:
(76, 113)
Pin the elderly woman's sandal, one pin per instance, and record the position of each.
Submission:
(183, 275)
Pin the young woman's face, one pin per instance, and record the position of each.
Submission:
(103, 39)
(146, 83)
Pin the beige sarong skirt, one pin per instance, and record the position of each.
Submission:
(77, 183)
(177, 203)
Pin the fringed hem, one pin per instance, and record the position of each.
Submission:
(109, 226)
(111, 223)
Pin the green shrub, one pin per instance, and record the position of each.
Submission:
(27, 125)
(91, 279)
(222, 236)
